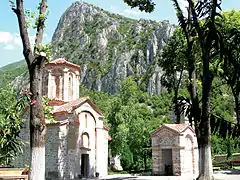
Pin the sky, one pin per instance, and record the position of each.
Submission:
(10, 41)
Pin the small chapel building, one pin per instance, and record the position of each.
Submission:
(77, 142)
(175, 151)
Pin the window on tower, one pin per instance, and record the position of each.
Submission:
(70, 86)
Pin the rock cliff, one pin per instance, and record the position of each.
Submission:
(110, 47)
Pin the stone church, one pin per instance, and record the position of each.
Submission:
(175, 151)
(77, 142)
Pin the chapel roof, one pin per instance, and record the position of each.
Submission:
(58, 123)
(178, 128)
(56, 102)
(72, 105)
(62, 61)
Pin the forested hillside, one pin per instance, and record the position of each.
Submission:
(9, 72)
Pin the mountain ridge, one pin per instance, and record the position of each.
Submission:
(110, 47)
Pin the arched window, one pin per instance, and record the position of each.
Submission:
(70, 86)
(86, 125)
(85, 140)
(57, 82)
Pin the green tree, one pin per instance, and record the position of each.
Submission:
(134, 115)
(210, 41)
(173, 64)
(231, 66)
(222, 100)
(222, 105)
(35, 59)
(131, 115)
(9, 72)
(12, 110)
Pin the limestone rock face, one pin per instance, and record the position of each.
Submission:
(21, 82)
(111, 47)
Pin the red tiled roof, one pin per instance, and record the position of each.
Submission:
(70, 106)
(179, 128)
(65, 62)
(56, 102)
(57, 123)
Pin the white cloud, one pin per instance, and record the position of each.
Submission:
(5, 37)
(132, 12)
(9, 47)
(13, 40)
(9, 40)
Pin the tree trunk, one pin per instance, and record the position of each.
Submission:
(192, 76)
(205, 159)
(35, 66)
(177, 108)
(175, 101)
(37, 124)
(237, 107)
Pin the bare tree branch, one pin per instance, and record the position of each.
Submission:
(195, 21)
(40, 24)
(213, 12)
(19, 11)
(180, 16)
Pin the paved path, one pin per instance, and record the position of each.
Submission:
(130, 177)
(233, 174)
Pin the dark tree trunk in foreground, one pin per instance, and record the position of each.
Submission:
(175, 101)
(35, 61)
(210, 43)
(37, 125)
(237, 107)
(206, 170)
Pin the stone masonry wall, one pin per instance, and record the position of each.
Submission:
(167, 139)
(156, 157)
(176, 162)
(62, 153)
(52, 143)
(184, 152)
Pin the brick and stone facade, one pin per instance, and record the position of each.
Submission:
(77, 142)
(175, 151)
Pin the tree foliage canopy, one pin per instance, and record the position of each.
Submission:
(132, 115)
(143, 5)
(12, 109)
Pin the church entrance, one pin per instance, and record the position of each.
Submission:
(167, 157)
(85, 165)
